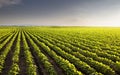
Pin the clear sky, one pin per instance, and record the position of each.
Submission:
(60, 12)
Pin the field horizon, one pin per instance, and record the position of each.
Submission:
(36, 50)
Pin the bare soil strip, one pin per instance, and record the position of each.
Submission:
(22, 63)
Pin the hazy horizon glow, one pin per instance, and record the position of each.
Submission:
(60, 12)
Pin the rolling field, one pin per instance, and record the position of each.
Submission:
(59, 51)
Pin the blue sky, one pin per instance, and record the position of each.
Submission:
(60, 12)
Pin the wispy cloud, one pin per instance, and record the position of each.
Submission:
(8, 2)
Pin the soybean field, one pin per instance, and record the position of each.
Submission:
(59, 50)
